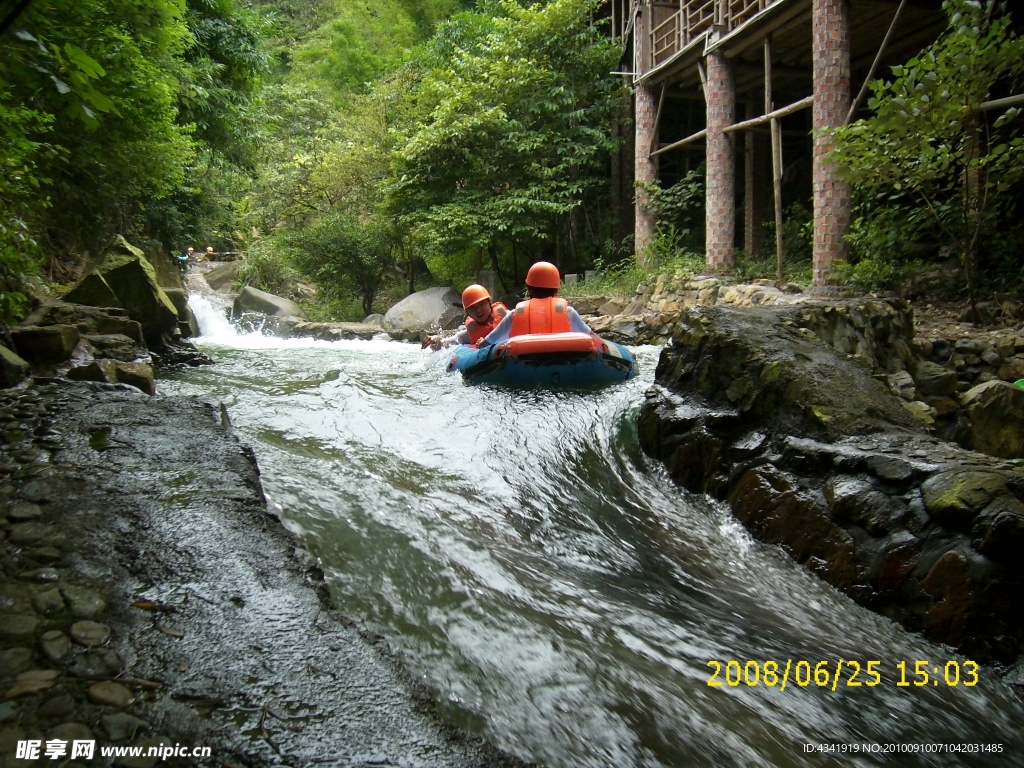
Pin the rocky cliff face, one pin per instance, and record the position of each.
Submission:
(815, 453)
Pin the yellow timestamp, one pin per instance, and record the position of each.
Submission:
(842, 673)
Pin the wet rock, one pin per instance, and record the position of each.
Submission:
(28, 533)
(84, 603)
(14, 661)
(42, 554)
(24, 511)
(33, 681)
(90, 633)
(122, 726)
(50, 345)
(13, 368)
(18, 627)
(43, 575)
(439, 307)
(98, 662)
(138, 375)
(1011, 370)
(38, 491)
(127, 274)
(70, 732)
(223, 275)
(144, 762)
(180, 354)
(253, 300)
(8, 711)
(58, 706)
(96, 370)
(995, 411)
(969, 346)
(116, 346)
(55, 644)
(111, 694)
(991, 357)
(934, 380)
(902, 384)
(948, 583)
(998, 530)
(841, 477)
(956, 497)
(49, 601)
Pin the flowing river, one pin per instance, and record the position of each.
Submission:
(552, 587)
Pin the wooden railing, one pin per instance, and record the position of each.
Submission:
(691, 18)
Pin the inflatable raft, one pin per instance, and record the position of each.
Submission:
(546, 360)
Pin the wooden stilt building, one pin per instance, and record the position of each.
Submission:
(770, 74)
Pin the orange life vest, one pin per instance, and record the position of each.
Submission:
(550, 315)
(477, 330)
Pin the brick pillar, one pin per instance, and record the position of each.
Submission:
(757, 185)
(831, 54)
(720, 192)
(646, 167)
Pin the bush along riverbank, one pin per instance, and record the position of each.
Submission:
(813, 451)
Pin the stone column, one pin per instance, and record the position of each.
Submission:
(646, 167)
(720, 192)
(830, 29)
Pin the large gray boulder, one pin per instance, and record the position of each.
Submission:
(254, 300)
(125, 278)
(13, 368)
(439, 307)
(223, 276)
(995, 411)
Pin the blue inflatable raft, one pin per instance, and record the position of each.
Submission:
(546, 360)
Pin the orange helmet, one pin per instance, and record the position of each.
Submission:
(543, 274)
(474, 294)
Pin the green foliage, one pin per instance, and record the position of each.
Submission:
(515, 132)
(339, 250)
(265, 268)
(883, 245)
(681, 205)
(928, 146)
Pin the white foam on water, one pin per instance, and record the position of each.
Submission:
(215, 329)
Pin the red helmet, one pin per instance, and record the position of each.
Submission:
(474, 294)
(543, 274)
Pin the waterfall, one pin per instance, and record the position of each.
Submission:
(211, 317)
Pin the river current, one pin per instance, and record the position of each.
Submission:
(553, 588)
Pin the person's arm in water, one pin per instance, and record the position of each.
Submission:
(499, 334)
(437, 341)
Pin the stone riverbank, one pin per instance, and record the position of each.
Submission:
(147, 598)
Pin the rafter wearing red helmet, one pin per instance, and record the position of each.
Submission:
(543, 312)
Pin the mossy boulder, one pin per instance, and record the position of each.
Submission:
(995, 411)
(125, 278)
(50, 345)
(13, 368)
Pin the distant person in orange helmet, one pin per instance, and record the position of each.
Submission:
(483, 316)
(543, 312)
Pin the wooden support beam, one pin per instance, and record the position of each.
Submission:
(1009, 101)
(777, 187)
(777, 114)
(657, 118)
(874, 65)
(769, 109)
(682, 142)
